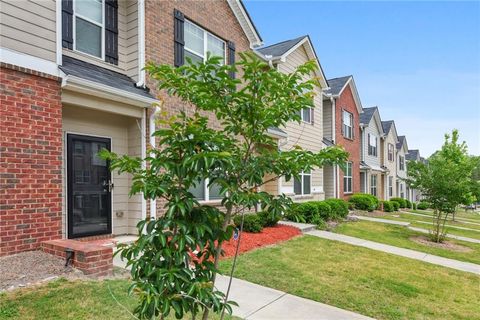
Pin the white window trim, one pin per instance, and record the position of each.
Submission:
(372, 147)
(205, 40)
(388, 152)
(350, 115)
(302, 185)
(206, 192)
(102, 33)
(348, 177)
(372, 186)
(301, 115)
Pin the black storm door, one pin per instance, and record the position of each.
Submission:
(89, 187)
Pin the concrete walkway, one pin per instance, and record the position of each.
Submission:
(412, 254)
(449, 226)
(304, 227)
(398, 223)
(261, 303)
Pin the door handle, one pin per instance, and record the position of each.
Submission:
(107, 185)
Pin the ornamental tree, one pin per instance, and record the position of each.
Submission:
(444, 181)
(174, 261)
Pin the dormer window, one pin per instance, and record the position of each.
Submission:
(89, 27)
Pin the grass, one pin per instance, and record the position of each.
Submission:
(399, 236)
(370, 282)
(461, 214)
(77, 300)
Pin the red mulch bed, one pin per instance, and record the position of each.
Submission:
(268, 236)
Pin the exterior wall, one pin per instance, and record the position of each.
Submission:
(125, 139)
(352, 146)
(327, 119)
(372, 128)
(391, 165)
(30, 159)
(401, 174)
(304, 134)
(329, 178)
(29, 27)
(214, 16)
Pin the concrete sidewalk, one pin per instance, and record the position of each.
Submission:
(261, 303)
(448, 235)
(398, 223)
(412, 254)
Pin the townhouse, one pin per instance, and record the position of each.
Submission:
(389, 159)
(71, 84)
(402, 151)
(341, 118)
(285, 57)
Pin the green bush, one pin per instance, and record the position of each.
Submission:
(268, 219)
(304, 212)
(387, 206)
(396, 205)
(414, 206)
(362, 201)
(251, 223)
(423, 205)
(324, 211)
(339, 208)
(409, 204)
(401, 201)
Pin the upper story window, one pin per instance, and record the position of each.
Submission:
(347, 126)
(390, 152)
(348, 178)
(303, 185)
(372, 145)
(198, 42)
(89, 27)
(306, 115)
(401, 163)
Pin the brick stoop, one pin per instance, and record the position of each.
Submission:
(93, 258)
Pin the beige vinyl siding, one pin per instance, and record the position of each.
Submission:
(327, 119)
(306, 135)
(125, 139)
(134, 149)
(391, 165)
(372, 129)
(131, 40)
(29, 27)
(328, 181)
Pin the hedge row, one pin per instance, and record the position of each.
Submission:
(256, 222)
(364, 201)
(318, 212)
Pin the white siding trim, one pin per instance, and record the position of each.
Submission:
(286, 189)
(58, 8)
(141, 42)
(29, 62)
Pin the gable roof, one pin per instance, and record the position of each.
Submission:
(246, 22)
(337, 84)
(279, 52)
(413, 155)
(387, 125)
(402, 142)
(367, 115)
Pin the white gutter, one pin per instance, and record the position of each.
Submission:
(141, 43)
(58, 30)
(151, 123)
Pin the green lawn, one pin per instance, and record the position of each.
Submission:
(429, 218)
(370, 282)
(399, 236)
(77, 300)
(462, 214)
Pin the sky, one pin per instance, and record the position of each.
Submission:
(419, 62)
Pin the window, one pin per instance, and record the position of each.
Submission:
(390, 186)
(198, 42)
(401, 163)
(303, 185)
(390, 152)
(306, 115)
(402, 194)
(204, 193)
(372, 145)
(373, 185)
(89, 27)
(348, 178)
(347, 124)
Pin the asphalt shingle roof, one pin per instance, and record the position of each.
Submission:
(88, 71)
(278, 49)
(401, 140)
(387, 125)
(412, 155)
(336, 84)
(367, 114)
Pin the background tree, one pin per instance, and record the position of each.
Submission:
(475, 180)
(174, 261)
(444, 181)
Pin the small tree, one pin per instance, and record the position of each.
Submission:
(444, 181)
(175, 259)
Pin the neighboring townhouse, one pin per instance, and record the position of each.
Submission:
(372, 172)
(414, 195)
(389, 158)
(341, 126)
(72, 83)
(286, 56)
(402, 151)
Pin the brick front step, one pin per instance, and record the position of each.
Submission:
(92, 258)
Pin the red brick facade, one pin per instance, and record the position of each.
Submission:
(30, 159)
(214, 16)
(352, 146)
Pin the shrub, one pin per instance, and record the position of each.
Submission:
(324, 210)
(251, 223)
(362, 201)
(396, 205)
(268, 219)
(303, 212)
(339, 208)
(388, 206)
(423, 205)
(414, 206)
(409, 204)
(401, 201)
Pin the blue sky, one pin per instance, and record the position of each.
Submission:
(419, 62)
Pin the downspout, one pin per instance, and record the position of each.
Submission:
(336, 178)
(141, 43)
(151, 130)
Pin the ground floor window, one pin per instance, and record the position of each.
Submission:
(203, 192)
(402, 194)
(373, 184)
(390, 186)
(303, 185)
(348, 178)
